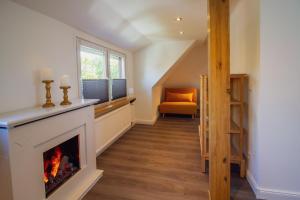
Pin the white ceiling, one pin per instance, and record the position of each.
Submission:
(130, 24)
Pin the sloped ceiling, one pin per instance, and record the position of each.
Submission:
(130, 24)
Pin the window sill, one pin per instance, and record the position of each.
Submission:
(103, 109)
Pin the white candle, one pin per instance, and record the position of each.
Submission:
(65, 81)
(46, 74)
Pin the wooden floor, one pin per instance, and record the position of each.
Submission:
(160, 162)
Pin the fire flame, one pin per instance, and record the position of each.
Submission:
(46, 164)
(54, 162)
(46, 177)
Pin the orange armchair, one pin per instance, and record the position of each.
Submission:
(179, 101)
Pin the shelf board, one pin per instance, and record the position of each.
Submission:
(234, 157)
(234, 101)
(234, 128)
(236, 76)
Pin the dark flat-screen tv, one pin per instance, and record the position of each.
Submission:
(119, 88)
(95, 89)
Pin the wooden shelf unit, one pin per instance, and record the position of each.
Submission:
(203, 127)
(238, 125)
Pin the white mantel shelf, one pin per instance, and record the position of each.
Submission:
(20, 117)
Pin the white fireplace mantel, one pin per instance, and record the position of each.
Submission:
(19, 117)
(26, 134)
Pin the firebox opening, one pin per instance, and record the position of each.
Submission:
(60, 163)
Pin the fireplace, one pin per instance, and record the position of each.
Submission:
(48, 154)
(60, 163)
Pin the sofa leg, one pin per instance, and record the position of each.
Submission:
(163, 115)
(193, 116)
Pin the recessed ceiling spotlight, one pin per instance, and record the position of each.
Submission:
(179, 19)
(181, 32)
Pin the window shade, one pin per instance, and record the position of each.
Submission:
(118, 88)
(96, 89)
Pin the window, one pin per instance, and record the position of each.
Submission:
(92, 63)
(116, 66)
(100, 79)
(117, 75)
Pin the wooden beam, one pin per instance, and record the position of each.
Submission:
(219, 100)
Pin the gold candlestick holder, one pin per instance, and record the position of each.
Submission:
(48, 103)
(66, 98)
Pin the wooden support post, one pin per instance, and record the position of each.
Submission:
(219, 100)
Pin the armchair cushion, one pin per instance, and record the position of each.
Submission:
(179, 97)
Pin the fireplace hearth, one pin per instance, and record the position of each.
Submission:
(60, 163)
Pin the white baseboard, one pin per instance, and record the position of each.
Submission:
(270, 194)
(146, 121)
(112, 140)
(252, 182)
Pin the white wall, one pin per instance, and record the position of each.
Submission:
(279, 109)
(187, 71)
(151, 63)
(244, 58)
(157, 92)
(265, 44)
(29, 41)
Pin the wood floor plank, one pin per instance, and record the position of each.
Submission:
(160, 162)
